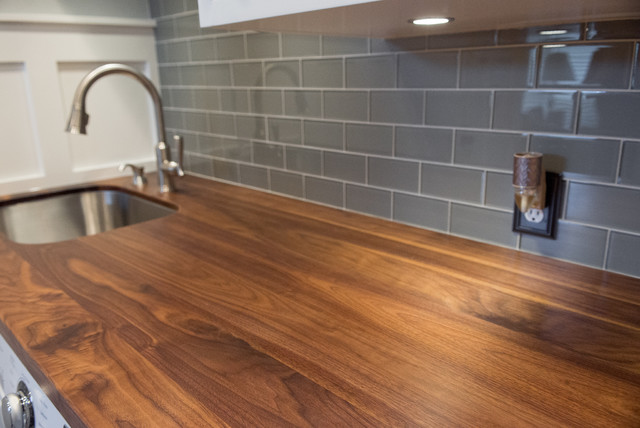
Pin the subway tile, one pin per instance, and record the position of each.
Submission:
(462, 40)
(586, 66)
(574, 242)
(230, 47)
(247, 74)
(322, 73)
(397, 106)
(630, 167)
(199, 165)
(304, 160)
(451, 182)
(217, 75)
(263, 45)
(458, 108)
(227, 148)
(579, 158)
(169, 74)
(336, 45)
(345, 166)
(254, 176)
(155, 7)
(236, 100)
(251, 127)
(193, 75)
(206, 99)
(620, 29)
(544, 111)
(226, 170)
(488, 149)
(221, 123)
(303, 103)
(419, 211)
(187, 26)
(373, 139)
(300, 45)
(174, 119)
(635, 81)
(371, 72)
(369, 201)
(161, 51)
(171, 7)
(202, 50)
(601, 113)
(328, 192)
(182, 98)
(195, 121)
(282, 73)
(498, 68)
(165, 29)
(346, 105)
(430, 144)
(483, 224)
(545, 34)
(268, 154)
(401, 44)
(394, 174)
(191, 5)
(177, 52)
(266, 101)
(285, 130)
(428, 70)
(623, 254)
(499, 190)
(328, 135)
(605, 206)
(287, 183)
(190, 142)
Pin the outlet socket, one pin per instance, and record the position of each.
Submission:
(541, 222)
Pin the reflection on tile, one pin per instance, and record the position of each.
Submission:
(247, 74)
(304, 160)
(303, 103)
(285, 130)
(488, 149)
(605, 206)
(369, 201)
(228, 148)
(324, 191)
(394, 174)
(461, 40)
(499, 190)
(498, 68)
(263, 45)
(548, 111)
(349, 105)
(452, 183)
(300, 45)
(635, 81)
(546, 34)
(428, 70)
(483, 224)
(199, 165)
(282, 73)
(621, 29)
(374, 139)
(601, 114)
(322, 73)
(268, 154)
(623, 254)
(397, 106)
(266, 101)
(371, 72)
(574, 242)
(630, 168)
(287, 183)
(235, 100)
(335, 45)
(586, 66)
(420, 211)
(230, 47)
(401, 44)
(251, 127)
(459, 108)
(579, 158)
(345, 166)
(329, 135)
(430, 144)
(254, 176)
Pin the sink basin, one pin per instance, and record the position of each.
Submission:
(70, 214)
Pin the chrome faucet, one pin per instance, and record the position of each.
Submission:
(78, 120)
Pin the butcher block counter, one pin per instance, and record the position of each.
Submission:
(250, 309)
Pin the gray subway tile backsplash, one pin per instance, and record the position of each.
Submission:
(420, 130)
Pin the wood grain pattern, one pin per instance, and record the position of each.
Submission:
(248, 309)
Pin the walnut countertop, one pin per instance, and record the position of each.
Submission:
(249, 309)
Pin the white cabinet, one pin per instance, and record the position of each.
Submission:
(390, 18)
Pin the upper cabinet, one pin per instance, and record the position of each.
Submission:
(390, 18)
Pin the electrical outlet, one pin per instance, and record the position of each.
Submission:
(540, 222)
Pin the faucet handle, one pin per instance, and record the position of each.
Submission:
(138, 173)
(179, 146)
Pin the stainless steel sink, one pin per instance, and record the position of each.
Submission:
(70, 214)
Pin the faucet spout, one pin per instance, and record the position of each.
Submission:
(79, 119)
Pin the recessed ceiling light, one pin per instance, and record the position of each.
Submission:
(552, 32)
(430, 21)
